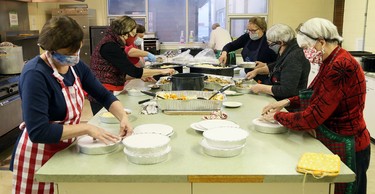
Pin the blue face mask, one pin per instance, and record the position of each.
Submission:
(138, 41)
(275, 48)
(65, 59)
(254, 36)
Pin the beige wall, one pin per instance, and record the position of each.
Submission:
(294, 12)
(290, 12)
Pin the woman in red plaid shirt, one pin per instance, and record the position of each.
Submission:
(332, 106)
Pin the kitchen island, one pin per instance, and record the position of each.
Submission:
(266, 165)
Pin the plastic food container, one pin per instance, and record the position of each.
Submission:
(220, 152)
(146, 144)
(147, 159)
(225, 137)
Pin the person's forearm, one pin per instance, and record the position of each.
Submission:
(151, 72)
(137, 53)
(70, 131)
(262, 70)
(266, 89)
(117, 110)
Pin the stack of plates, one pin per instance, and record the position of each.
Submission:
(268, 127)
(87, 145)
(154, 129)
(146, 148)
(209, 124)
(224, 141)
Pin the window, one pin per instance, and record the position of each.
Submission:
(167, 18)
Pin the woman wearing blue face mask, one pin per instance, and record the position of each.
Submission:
(253, 44)
(52, 89)
(289, 73)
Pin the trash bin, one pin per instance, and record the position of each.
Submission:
(368, 63)
(359, 54)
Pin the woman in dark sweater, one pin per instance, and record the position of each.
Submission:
(253, 44)
(290, 72)
(109, 62)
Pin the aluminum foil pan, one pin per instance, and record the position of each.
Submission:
(190, 104)
(163, 84)
(87, 145)
(148, 159)
(220, 152)
(216, 82)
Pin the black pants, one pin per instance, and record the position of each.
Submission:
(362, 164)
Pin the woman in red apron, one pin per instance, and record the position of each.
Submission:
(332, 106)
(51, 89)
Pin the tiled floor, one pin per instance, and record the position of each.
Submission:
(6, 175)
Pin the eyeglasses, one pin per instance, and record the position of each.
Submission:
(298, 30)
(273, 43)
(251, 31)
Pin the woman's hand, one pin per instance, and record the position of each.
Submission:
(251, 74)
(223, 57)
(269, 116)
(168, 71)
(257, 88)
(125, 127)
(102, 135)
(275, 106)
(148, 79)
(259, 64)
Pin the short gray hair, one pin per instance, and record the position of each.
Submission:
(280, 32)
(322, 28)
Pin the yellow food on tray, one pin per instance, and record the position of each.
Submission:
(174, 96)
(217, 80)
(107, 115)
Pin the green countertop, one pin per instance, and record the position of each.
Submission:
(268, 158)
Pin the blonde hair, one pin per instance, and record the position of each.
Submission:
(123, 25)
(260, 22)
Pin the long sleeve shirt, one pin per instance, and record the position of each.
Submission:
(337, 102)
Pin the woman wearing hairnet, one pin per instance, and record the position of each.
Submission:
(332, 107)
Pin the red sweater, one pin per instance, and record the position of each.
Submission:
(337, 102)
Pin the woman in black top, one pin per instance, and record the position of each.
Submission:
(289, 73)
(253, 43)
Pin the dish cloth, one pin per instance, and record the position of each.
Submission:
(149, 108)
(318, 165)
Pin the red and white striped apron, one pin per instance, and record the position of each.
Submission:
(29, 157)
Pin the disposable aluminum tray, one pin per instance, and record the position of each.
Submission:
(164, 86)
(192, 104)
(210, 85)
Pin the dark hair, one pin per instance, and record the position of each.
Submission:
(61, 32)
(260, 22)
(141, 28)
(123, 25)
